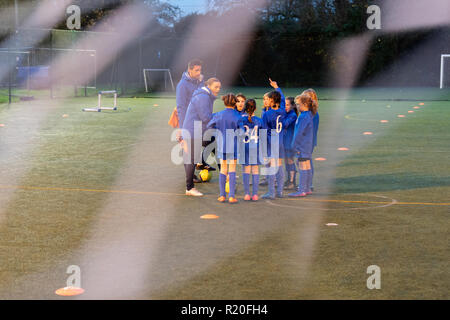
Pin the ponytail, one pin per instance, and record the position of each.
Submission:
(250, 107)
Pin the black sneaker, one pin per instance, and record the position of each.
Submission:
(203, 167)
(197, 180)
(263, 182)
(289, 186)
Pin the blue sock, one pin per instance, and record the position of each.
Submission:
(271, 184)
(303, 181)
(222, 182)
(246, 179)
(255, 179)
(309, 183)
(232, 182)
(288, 167)
(280, 180)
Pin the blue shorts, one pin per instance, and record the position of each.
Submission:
(227, 156)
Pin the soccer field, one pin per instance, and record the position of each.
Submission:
(99, 190)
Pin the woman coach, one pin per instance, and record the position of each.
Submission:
(198, 114)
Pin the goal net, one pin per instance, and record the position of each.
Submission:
(14, 68)
(156, 78)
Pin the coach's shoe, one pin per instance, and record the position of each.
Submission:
(197, 180)
(194, 192)
(247, 197)
(233, 200)
(268, 196)
(222, 199)
(297, 194)
(255, 197)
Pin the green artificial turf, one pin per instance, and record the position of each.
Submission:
(276, 250)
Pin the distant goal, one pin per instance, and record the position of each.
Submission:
(153, 76)
(443, 79)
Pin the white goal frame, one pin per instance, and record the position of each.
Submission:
(167, 71)
(443, 56)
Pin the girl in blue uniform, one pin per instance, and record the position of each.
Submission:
(227, 122)
(313, 95)
(251, 126)
(289, 126)
(240, 103)
(266, 106)
(302, 143)
(273, 122)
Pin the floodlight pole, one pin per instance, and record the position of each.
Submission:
(16, 14)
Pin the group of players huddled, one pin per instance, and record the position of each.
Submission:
(287, 130)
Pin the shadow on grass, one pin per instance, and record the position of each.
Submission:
(388, 182)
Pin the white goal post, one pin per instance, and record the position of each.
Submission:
(443, 56)
(166, 73)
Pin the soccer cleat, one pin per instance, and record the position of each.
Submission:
(297, 194)
(268, 196)
(308, 193)
(204, 166)
(279, 194)
(232, 200)
(194, 192)
(247, 197)
(221, 199)
(255, 197)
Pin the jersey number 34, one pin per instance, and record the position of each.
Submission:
(249, 136)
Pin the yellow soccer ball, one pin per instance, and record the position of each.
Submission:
(227, 187)
(205, 175)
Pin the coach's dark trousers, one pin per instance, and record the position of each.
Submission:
(193, 156)
(190, 157)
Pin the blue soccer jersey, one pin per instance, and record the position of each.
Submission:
(315, 128)
(289, 126)
(302, 143)
(249, 141)
(273, 122)
(226, 122)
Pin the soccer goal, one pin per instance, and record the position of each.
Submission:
(99, 107)
(443, 57)
(18, 64)
(167, 77)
